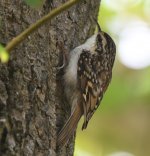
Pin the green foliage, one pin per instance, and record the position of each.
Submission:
(105, 15)
(4, 56)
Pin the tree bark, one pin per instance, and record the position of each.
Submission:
(32, 107)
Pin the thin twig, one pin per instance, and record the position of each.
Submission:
(18, 39)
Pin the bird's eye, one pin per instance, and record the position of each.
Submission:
(99, 38)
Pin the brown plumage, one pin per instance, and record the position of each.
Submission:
(70, 126)
(87, 77)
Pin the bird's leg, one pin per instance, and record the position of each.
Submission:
(64, 55)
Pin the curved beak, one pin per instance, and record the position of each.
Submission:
(98, 26)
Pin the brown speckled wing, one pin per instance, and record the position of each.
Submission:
(93, 81)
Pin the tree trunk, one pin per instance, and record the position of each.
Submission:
(31, 102)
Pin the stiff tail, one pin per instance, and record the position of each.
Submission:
(70, 126)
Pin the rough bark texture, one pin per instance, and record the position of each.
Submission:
(31, 113)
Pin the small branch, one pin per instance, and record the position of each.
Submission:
(18, 39)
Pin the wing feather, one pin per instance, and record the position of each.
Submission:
(92, 83)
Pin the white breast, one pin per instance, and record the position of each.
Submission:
(71, 70)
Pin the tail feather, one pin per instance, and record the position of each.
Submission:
(70, 126)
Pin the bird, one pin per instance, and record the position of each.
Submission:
(86, 78)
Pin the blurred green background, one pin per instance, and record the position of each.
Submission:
(121, 125)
